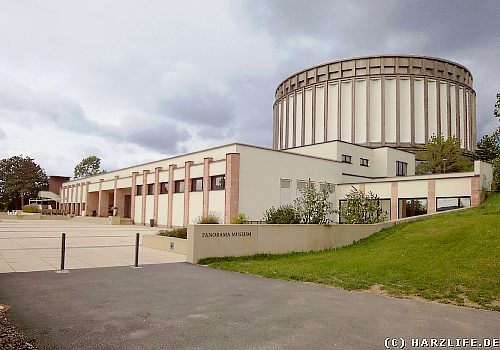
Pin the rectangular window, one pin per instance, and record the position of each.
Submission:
(412, 207)
(285, 194)
(301, 184)
(384, 204)
(163, 187)
(346, 159)
(197, 184)
(443, 204)
(363, 161)
(401, 168)
(151, 189)
(179, 186)
(138, 190)
(218, 182)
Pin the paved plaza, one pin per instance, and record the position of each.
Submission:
(36, 245)
(184, 306)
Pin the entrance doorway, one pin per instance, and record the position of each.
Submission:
(126, 207)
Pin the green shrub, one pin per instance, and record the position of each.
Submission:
(180, 232)
(31, 208)
(314, 206)
(211, 218)
(239, 220)
(362, 208)
(285, 214)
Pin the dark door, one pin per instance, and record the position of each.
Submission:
(126, 208)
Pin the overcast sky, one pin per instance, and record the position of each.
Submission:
(136, 81)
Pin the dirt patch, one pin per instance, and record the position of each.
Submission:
(11, 337)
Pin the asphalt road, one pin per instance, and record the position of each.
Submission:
(183, 306)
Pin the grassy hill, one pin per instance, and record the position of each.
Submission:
(450, 258)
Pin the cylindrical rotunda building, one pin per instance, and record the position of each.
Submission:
(389, 100)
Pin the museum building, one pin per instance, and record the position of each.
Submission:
(350, 123)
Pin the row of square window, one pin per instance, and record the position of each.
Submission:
(348, 159)
(216, 183)
(401, 167)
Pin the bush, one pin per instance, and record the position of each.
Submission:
(361, 208)
(211, 218)
(314, 206)
(285, 214)
(31, 208)
(180, 232)
(239, 220)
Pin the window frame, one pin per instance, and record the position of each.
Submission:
(194, 181)
(364, 162)
(346, 159)
(177, 186)
(213, 180)
(138, 190)
(150, 189)
(404, 168)
(163, 188)
(400, 216)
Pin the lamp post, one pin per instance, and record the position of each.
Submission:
(444, 165)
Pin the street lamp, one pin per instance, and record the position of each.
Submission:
(444, 165)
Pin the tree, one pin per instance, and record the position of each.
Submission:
(314, 206)
(20, 179)
(443, 156)
(496, 111)
(88, 166)
(488, 148)
(362, 208)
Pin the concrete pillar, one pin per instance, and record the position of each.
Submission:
(132, 195)
(81, 198)
(87, 210)
(187, 191)
(394, 200)
(232, 186)
(171, 187)
(71, 201)
(144, 193)
(206, 184)
(102, 208)
(156, 194)
(362, 188)
(431, 196)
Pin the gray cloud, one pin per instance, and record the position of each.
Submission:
(163, 137)
(3, 135)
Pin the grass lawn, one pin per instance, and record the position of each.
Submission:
(450, 258)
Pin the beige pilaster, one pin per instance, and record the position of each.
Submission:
(187, 191)
(232, 192)
(431, 196)
(206, 184)
(362, 188)
(475, 191)
(100, 203)
(115, 192)
(171, 188)
(144, 193)
(156, 194)
(394, 200)
(82, 184)
(133, 193)
(87, 210)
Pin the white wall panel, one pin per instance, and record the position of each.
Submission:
(298, 120)
(280, 126)
(162, 209)
(419, 110)
(319, 132)
(285, 124)
(444, 110)
(432, 103)
(333, 111)
(462, 117)
(453, 124)
(290, 120)
(375, 110)
(404, 110)
(360, 111)
(390, 110)
(346, 111)
(308, 115)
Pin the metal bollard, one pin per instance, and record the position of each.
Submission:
(136, 264)
(63, 253)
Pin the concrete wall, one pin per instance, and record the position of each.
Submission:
(239, 240)
(169, 244)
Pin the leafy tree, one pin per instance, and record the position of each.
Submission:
(314, 206)
(488, 148)
(88, 166)
(362, 208)
(443, 156)
(20, 179)
(496, 111)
